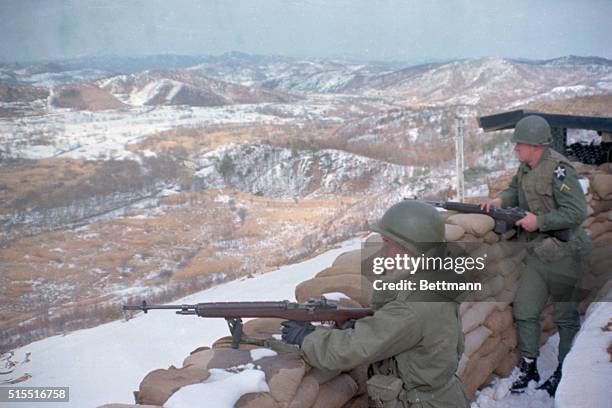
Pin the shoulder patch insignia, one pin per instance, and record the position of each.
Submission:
(560, 172)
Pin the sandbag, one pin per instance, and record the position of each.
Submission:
(491, 237)
(226, 342)
(604, 239)
(199, 359)
(306, 394)
(262, 328)
(284, 373)
(475, 224)
(228, 357)
(470, 239)
(491, 288)
(322, 376)
(351, 259)
(507, 364)
(598, 228)
(498, 321)
(602, 185)
(337, 392)
(463, 361)
(256, 400)
(601, 217)
(599, 206)
(354, 286)
(453, 232)
(357, 402)
(476, 315)
(503, 300)
(491, 344)
(503, 267)
(339, 270)
(159, 385)
(475, 339)
(360, 376)
(463, 307)
(479, 369)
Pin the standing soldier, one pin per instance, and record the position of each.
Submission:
(412, 347)
(547, 188)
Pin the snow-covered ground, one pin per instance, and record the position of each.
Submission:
(497, 395)
(106, 363)
(95, 135)
(587, 370)
(105, 134)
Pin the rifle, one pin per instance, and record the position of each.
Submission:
(315, 310)
(505, 218)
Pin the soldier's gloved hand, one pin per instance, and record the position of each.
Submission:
(294, 332)
(349, 324)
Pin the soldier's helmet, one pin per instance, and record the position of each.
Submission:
(532, 130)
(411, 223)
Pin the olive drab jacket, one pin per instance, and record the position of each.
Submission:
(421, 341)
(552, 192)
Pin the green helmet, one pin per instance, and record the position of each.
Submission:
(411, 222)
(532, 130)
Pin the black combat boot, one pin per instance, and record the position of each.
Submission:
(529, 372)
(550, 385)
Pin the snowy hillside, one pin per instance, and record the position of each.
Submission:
(184, 88)
(278, 172)
(495, 81)
(290, 75)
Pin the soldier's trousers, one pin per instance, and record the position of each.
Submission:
(540, 280)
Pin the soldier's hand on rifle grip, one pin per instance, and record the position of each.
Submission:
(294, 332)
(486, 205)
(529, 222)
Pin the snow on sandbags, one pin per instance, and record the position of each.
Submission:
(159, 385)
(291, 382)
(284, 373)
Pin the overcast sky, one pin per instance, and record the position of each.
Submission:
(406, 30)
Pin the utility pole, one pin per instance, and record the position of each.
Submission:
(459, 159)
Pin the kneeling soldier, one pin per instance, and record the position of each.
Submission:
(412, 347)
